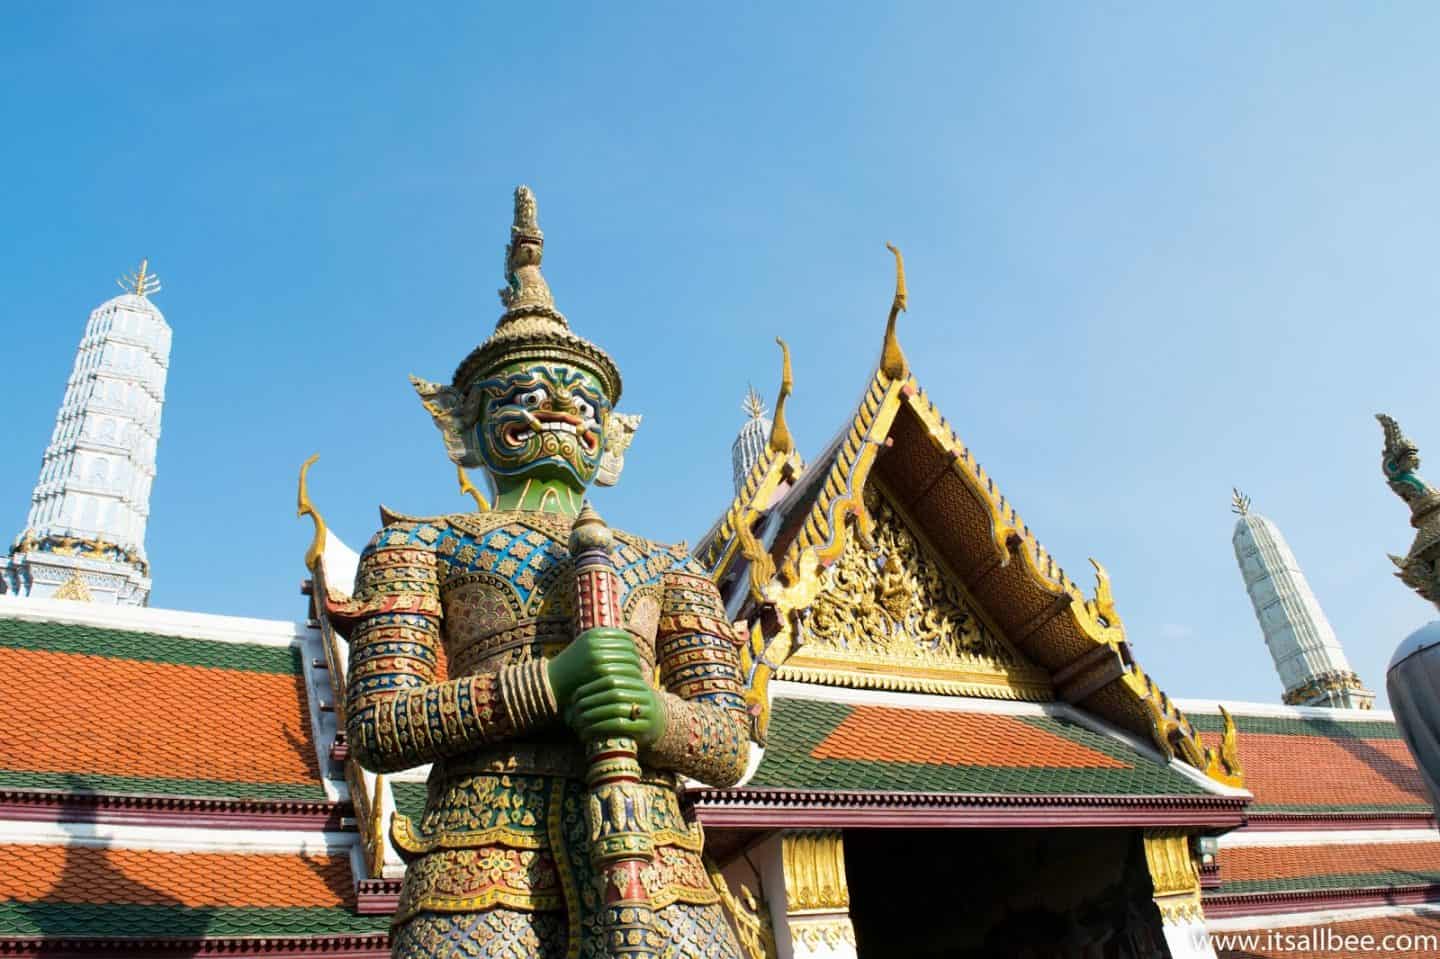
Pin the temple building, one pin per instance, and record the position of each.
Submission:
(84, 537)
(956, 753)
(1312, 665)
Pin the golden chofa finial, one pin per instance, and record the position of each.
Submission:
(780, 438)
(303, 507)
(142, 282)
(1239, 502)
(892, 358)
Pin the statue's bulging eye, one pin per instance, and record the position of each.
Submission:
(531, 399)
(584, 408)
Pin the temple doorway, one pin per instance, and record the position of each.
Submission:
(1016, 893)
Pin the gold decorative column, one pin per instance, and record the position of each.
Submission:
(817, 897)
(1176, 881)
(1173, 874)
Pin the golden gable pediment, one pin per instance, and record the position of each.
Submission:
(889, 615)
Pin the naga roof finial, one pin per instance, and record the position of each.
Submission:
(1400, 462)
(1239, 502)
(892, 358)
(780, 439)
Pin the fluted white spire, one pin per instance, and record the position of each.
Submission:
(84, 537)
(1312, 665)
(753, 438)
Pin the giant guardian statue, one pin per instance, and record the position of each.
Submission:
(561, 677)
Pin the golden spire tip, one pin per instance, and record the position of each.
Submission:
(142, 282)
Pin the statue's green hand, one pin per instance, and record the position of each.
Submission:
(617, 705)
(593, 654)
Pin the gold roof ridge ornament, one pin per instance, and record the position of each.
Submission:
(303, 507)
(1400, 462)
(1239, 502)
(140, 283)
(892, 359)
(780, 439)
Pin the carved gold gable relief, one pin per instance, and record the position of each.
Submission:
(889, 615)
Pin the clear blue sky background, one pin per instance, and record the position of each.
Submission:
(1153, 252)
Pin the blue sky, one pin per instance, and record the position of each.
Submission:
(1153, 252)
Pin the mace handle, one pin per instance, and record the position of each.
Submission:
(620, 843)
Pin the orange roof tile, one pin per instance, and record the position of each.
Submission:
(892, 734)
(118, 717)
(1286, 770)
(1245, 863)
(1408, 937)
(76, 874)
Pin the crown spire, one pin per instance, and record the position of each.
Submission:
(1239, 502)
(525, 288)
(142, 282)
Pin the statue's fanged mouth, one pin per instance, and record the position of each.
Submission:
(518, 434)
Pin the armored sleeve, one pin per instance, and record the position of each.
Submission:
(706, 731)
(398, 714)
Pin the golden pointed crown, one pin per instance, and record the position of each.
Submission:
(531, 328)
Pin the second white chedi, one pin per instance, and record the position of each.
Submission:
(1307, 653)
(750, 444)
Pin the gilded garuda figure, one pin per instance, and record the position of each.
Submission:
(500, 863)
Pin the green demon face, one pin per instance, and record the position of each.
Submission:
(542, 418)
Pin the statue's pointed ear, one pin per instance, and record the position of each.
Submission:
(447, 408)
(619, 432)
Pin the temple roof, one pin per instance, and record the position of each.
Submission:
(883, 746)
(1317, 764)
(123, 894)
(117, 711)
(776, 550)
(1340, 818)
(1313, 866)
(859, 757)
(170, 791)
(1311, 936)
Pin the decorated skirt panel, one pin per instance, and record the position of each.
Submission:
(685, 932)
(522, 842)
(465, 810)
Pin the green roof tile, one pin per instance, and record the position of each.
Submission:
(797, 726)
(1324, 728)
(1355, 881)
(80, 783)
(54, 919)
(149, 647)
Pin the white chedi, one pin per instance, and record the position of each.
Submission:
(84, 536)
(1312, 665)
